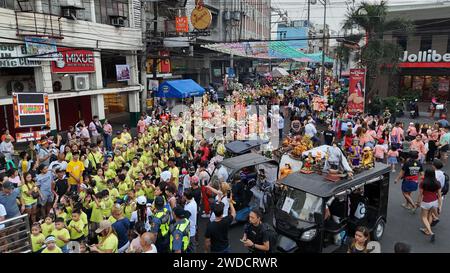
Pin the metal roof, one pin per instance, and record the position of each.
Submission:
(246, 160)
(317, 185)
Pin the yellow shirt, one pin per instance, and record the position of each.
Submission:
(110, 174)
(95, 159)
(134, 171)
(76, 169)
(140, 192)
(118, 142)
(175, 174)
(123, 189)
(100, 183)
(84, 218)
(149, 193)
(37, 241)
(47, 229)
(109, 243)
(113, 193)
(69, 156)
(106, 206)
(96, 215)
(112, 166)
(127, 137)
(56, 250)
(64, 233)
(74, 234)
(119, 161)
(129, 209)
(24, 166)
(28, 198)
(112, 220)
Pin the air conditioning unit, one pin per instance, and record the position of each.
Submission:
(69, 12)
(71, 3)
(14, 87)
(118, 21)
(81, 82)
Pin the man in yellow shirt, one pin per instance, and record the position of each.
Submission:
(118, 141)
(174, 171)
(94, 156)
(75, 170)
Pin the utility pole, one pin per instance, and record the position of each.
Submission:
(155, 31)
(144, 57)
(322, 79)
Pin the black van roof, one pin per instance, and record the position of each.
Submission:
(317, 184)
(243, 146)
(246, 160)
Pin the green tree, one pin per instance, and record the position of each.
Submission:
(377, 55)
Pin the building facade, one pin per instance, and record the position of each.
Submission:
(425, 62)
(91, 38)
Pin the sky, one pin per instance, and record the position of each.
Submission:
(336, 10)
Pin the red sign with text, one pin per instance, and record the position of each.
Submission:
(355, 103)
(164, 64)
(74, 61)
(182, 24)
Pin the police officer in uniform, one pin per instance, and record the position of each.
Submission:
(179, 231)
(160, 225)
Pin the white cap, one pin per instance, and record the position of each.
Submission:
(141, 200)
(165, 176)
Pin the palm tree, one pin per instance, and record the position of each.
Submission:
(377, 55)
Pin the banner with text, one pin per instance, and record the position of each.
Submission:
(15, 56)
(356, 91)
(30, 110)
(74, 61)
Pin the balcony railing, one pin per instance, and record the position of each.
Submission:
(15, 235)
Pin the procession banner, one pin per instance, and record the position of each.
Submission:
(30, 110)
(356, 91)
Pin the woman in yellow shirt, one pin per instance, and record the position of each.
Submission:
(100, 180)
(30, 194)
(109, 241)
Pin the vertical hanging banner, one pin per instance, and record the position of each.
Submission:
(356, 91)
(181, 24)
(30, 110)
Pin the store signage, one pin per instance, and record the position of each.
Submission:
(426, 56)
(164, 64)
(31, 136)
(201, 18)
(30, 110)
(42, 48)
(181, 24)
(15, 56)
(74, 61)
(165, 89)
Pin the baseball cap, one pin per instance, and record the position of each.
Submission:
(165, 176)
(159, 201)
(105, 224)
(141, 200)
(8, 185)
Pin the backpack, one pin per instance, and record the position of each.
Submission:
(444, 189)
(272, 235)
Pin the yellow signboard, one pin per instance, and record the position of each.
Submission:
(201, 18)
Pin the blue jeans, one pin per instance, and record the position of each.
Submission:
(108, 142)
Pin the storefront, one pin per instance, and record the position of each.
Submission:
(427, 73)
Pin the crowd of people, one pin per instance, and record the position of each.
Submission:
(114, 192)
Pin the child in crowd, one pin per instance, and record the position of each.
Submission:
(380, 151)
(48, 226)
(392, 157)
(37, 238)
(61, 234)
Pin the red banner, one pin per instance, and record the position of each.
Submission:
(74, 61)
(31, 136)
(182, 24)
(355, 103)
(164, 64)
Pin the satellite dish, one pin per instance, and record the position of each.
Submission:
(374, 247)
(74, 247)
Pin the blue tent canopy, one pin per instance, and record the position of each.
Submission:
(179, 89)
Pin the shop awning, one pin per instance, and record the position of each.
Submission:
(180, 89)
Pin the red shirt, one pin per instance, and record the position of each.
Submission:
(205, 151)
(348, 141)
(428, 196)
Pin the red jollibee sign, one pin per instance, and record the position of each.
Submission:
(74, 61)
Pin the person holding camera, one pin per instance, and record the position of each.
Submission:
(216, 235)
